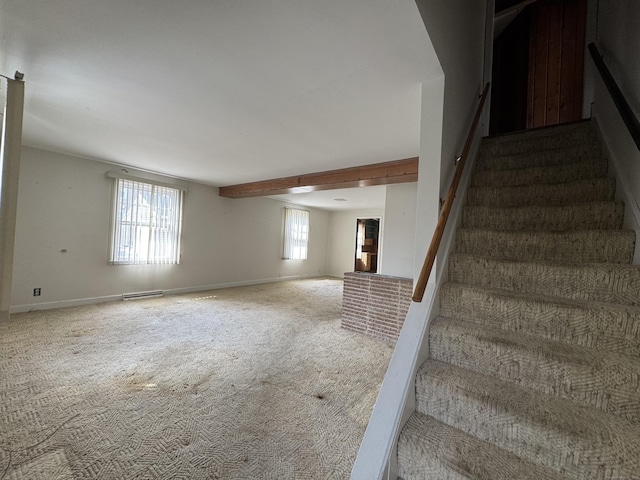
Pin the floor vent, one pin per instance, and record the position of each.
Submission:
(138, 295)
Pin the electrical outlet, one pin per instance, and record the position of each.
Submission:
(36, 292)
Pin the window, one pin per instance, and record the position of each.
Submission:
(296, 234)
(147, 220)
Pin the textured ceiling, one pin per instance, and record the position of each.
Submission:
(221, 92)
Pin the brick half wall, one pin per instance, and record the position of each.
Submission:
(375, 305)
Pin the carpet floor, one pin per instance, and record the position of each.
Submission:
(240, 383)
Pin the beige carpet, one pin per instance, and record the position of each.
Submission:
(242, 383)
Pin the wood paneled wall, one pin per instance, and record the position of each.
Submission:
(556, 62)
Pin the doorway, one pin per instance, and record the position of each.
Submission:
(538, 66)
(367, 235)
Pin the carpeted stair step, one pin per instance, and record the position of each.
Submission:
(606, 246)
(603, 326)
(581, 443)
(582, 216)
(428, 448)
(557, 156)
(591, 282)
(590, 168)
(535, 357)
(540, 140)
(593, 378)
(589, 190)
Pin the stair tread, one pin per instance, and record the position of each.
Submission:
(606, 326)
(607, 282)
(557, 129)
(561, 155)
(561, 301)
(581, 216)
(550, 135)
(458, 455)
(599, 189)
(572, 265)
(552, 174)
(587, 141)
(553, 233)
(609, 381)
(549, 207)
(548, 431)
(613, 246)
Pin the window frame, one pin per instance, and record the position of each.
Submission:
(289, 247)
(147, 190)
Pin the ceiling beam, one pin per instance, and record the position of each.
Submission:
(397, 171)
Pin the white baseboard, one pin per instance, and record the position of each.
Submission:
(243, 283)
(171, 291)
(64, 303)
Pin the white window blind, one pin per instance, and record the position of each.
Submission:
(296, 234)
(147, 222)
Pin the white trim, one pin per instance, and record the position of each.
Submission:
(64, 303)
(10, 152)
(387, 417)
(242, 283)
(171, 291)
(396, 399)
(623, 189)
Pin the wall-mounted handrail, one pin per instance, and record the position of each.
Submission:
(421, 284)
(629, 118)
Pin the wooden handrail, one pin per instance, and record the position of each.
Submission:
(621, 103)
(421, 284)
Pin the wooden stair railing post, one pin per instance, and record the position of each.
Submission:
(421, 284)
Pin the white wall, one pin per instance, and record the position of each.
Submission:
(457, 30)
(399, 230)
(397, 234)
(341, 247)
(618, 38)
(428, 194)
(64, 204)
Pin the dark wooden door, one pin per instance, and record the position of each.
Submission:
(556, 62)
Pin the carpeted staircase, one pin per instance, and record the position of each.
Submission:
(534, 369)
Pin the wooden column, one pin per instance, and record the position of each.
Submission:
(11, 147)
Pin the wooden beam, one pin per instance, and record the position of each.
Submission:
(397, 171)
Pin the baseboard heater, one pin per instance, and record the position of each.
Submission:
(139, 295)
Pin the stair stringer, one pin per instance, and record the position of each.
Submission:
(396, 401)
(623, 190)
